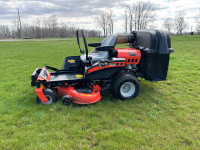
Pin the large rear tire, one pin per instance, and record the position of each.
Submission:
(50, 95)
(125, 86)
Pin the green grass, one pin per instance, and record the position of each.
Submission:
(165, 115)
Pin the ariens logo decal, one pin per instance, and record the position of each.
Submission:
(132, 53)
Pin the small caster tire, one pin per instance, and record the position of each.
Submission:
(50, 95)
(66, 100)
(104, 91)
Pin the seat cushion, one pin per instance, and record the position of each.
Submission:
(95, 56)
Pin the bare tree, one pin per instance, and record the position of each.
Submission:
(26, 31)
(53, 24)
(141, 15)
(168, 24)
(105, 22)
(38, 27)
(197, 20)
(126, 22)
(19, 25)
(4, 32)
(102, 22)
(45, 25)
(179, 22)
(110, 22)
(62, 32)
(130, 18)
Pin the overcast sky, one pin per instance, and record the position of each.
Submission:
(81, 13)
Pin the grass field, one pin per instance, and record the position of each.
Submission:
(165, 115)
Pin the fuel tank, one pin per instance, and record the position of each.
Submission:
(131, 55)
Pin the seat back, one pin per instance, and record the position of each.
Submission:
(109, 40)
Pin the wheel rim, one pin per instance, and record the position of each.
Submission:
(49, 99)
(127, 89)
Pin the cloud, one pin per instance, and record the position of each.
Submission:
(81, 12)
(63, 8)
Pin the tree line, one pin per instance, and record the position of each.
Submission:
(179, 24)
(46, 27)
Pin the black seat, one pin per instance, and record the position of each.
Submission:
(108, 42)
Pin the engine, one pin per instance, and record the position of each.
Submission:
(131, 55)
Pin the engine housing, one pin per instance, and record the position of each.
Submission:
(131, 55)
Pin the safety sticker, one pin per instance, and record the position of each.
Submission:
(79, 75)
(86, 95)
(71, 61)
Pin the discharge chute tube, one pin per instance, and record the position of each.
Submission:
(125, 38)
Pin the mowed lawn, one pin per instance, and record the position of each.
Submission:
(165, 115)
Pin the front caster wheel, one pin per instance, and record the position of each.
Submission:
(66, 100)
(125, 86)
(50, 95)
(104, 91)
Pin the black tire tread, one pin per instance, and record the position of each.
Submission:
(50, 93)
(117, 82)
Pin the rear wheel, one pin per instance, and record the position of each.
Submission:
(50, 95)
(125, 86)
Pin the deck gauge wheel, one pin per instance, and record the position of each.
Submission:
(50, 95)
(66, 100)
